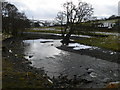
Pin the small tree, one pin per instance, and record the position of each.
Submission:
(74, 16)
(61, 20)
(36, 24)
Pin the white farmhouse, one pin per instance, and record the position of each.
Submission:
(107, 23)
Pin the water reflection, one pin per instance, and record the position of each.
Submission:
(42, 50)
(43, 53)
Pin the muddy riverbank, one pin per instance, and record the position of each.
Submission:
(13, 49)
(99, 53)
(16, 70)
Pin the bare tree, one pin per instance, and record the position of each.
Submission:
(14, 22)
(61, 20)
(75, 15)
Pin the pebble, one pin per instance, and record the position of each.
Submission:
(31, 56)
(16, 55)
(106, 80)
(10, 51)
(115, 74)
(93, 74)
(90, 69)
(50, 81)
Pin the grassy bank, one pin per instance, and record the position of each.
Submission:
(16, 71)
(13, 78)
(110, 42)
(18, 74)
(44, 31)
(100, 39)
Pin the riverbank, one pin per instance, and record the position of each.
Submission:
(17, 72)
(99, 53)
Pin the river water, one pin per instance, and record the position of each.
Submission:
(44, 54)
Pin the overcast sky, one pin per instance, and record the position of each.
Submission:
(47, 9)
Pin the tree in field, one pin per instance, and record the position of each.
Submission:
(13, 20)
(61, 20)
(74, 15)
(36, 24)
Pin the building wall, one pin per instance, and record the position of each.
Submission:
(108, 23)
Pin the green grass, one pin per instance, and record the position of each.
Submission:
(92, 34)
(59, 28)
(55, 27)
(44, 31)
(110, 42)
(12, 78)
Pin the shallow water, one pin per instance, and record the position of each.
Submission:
(41, 50)
(44, 54)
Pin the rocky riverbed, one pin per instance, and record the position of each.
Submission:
(90, 72)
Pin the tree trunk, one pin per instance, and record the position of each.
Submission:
(66, 39)
(62, 32)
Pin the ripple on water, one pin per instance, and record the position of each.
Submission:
(57, 61)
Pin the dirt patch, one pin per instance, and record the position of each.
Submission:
(97, 53)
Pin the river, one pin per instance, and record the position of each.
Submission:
(44, 54)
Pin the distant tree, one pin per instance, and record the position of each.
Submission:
(36, 24)
(74, 16)
(13, 20)
(112, 17)
(47, 23)
(61, 20)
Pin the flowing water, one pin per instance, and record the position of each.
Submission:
(44, 54)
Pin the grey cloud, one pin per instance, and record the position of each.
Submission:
(44, 12)
(107, 10)
(41, 13)
(38, 13)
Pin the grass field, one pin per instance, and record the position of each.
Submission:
(110, 42)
